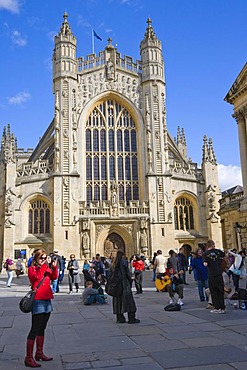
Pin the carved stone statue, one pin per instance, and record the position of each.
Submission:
(143, 239)
(114, 194)
(109, 70)
(85, 241)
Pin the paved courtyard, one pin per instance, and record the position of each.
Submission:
(87, 337)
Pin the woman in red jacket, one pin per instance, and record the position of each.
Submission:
(40, 269)
(139, 266)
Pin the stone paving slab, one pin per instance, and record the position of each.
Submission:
(207, 367)
(81, 337)
(189, 357)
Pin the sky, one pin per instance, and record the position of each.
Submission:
(204, 49)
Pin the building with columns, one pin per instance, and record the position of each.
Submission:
(233, 208)
(107, 174)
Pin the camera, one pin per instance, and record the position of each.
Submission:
(53, 258)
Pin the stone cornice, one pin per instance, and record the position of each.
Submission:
(239, 86)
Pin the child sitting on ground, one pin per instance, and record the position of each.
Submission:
(91, 295)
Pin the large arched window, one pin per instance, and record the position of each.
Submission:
(39, 217)
(183, 214)
(111, 153)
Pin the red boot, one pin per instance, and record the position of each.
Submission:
(29, 361)
(39, 350)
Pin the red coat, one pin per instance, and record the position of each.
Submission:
(36, 274)
(138, 265)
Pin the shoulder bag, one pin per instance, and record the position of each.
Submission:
(26, 303)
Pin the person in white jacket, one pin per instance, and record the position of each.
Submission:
(237, 268)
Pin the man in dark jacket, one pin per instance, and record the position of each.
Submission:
(182, 264)
(212, 259)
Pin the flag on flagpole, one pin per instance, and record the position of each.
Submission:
(97, 36)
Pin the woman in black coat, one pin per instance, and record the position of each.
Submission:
(125, 302)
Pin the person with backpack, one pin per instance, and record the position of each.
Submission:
(9, 267)
(123, 300)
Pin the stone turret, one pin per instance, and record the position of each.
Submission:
(154, 111)
(64, 54)
(8, 146)
(212, 191)
(151, 54)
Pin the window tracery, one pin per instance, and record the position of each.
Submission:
(183, 214)
(38, 217)
(111, 153)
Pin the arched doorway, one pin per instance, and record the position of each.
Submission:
(113, 243)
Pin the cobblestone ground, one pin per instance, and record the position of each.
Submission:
(87, 337)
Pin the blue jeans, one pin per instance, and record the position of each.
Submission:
(202, 284)
(55, 286)
(95, 298)
(10, 277)
(154, 274)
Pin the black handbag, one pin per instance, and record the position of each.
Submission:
(26, 303)
(172, 307)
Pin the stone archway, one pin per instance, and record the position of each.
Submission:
(112, 244)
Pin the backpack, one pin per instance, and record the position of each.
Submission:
(114, 285)
(172, 307)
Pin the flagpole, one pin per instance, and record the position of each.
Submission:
(92, 41)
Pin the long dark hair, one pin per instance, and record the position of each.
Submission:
(118, 258)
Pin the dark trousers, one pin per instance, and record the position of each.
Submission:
(216, 286)
(235, 279)
(39, 322)
(138, 281)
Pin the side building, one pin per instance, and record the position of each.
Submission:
(107, 174)
(235, 222)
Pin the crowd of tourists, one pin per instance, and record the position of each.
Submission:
(214, 270)
(217, 274)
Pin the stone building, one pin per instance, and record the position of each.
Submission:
(107, 174)
(234, 212)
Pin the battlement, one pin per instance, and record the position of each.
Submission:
(92, 61)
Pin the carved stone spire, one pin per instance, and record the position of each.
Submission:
(150, 34)
(65, 29)
(205, 154)
(183, 139)
(208, 151)
(178, 136)
(212, 157)
(8, 146)
(181, 142)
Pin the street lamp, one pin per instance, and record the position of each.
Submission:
(238, 229)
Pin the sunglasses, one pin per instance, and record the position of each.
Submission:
(43, 258)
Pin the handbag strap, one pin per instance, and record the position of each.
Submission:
(41, 281)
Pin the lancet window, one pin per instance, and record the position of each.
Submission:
(183, 214)
(111, 153)
(38, 217)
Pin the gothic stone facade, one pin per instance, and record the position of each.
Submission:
(107, 174)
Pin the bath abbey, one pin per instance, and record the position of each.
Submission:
(106, 174)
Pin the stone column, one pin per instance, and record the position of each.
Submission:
(242, 137)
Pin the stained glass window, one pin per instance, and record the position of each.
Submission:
(38, 217)
(111, 153)
(183, 214)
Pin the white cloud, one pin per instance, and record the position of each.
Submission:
(11, 5)
(17, 38)
(229, 176)
(20, 98)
